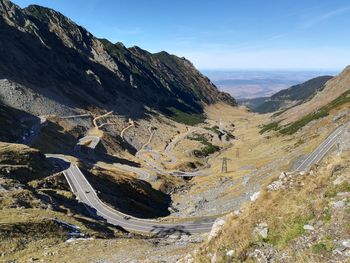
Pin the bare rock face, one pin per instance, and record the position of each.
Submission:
(216, 228)
(48, 54)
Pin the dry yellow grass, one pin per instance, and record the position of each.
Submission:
(256, 151)
(262, 156)
(333, 89)
(285, 212)
(39, 234)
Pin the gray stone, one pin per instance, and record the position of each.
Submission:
(339, 204)
(217, 226)
(255, 196)
(261, 230)
(237, 212)
(308, 227)
(230, 253)
(282, 176)
(346, 243)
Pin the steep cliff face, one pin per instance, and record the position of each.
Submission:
(48, 54)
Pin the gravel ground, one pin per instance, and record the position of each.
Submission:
(23, 98)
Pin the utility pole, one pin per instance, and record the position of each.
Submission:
(224, 164)
(338, 147)
(237, 153)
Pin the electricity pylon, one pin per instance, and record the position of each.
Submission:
(224, 164)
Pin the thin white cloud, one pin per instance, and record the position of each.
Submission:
(326, 16)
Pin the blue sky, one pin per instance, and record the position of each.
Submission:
(223, 34)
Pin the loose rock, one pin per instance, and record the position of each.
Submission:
(255, 196)
(346, 243)
(309, 227)
(261, 230)
(216, 228)
(230, 253)
(339, 204)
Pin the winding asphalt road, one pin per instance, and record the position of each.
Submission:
(317, 155)
(87, 195)
(155, 166)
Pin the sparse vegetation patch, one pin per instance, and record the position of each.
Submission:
(273, 126)
(186, 118)
(322, 112)
(208, 148)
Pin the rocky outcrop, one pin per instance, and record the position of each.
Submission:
(45, 52)
(216, 228)
(22, 163)
(15, 120)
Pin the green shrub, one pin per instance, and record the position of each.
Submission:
(295, 126)
(290, 230)
(332, 191)
(326, 215)
(208, 148)
(186, 118)
(322, 112)
(326, 246)
(273, 126)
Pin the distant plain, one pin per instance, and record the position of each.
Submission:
(253, 84)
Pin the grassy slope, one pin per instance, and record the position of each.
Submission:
(324, 111)
(185, 118)
(22, 163)
(29, 197)
(57, 136)
(297, 93)
(207, 149)
(308, 200)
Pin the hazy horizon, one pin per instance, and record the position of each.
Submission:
(248, 84)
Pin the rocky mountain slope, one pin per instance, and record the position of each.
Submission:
(296, 216)
(47, 59)
(305, 219)
(333, 89)
(333, 99)
(287, 98)
(17, 120)
(22, 163)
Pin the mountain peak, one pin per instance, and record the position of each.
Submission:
(5, 3)
(12, 14)
(137, 50)
(83, 71)
(45, 13)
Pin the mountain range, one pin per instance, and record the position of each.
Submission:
(289, 97)
(50, 65)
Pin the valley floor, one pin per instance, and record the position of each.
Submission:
(145, 159)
